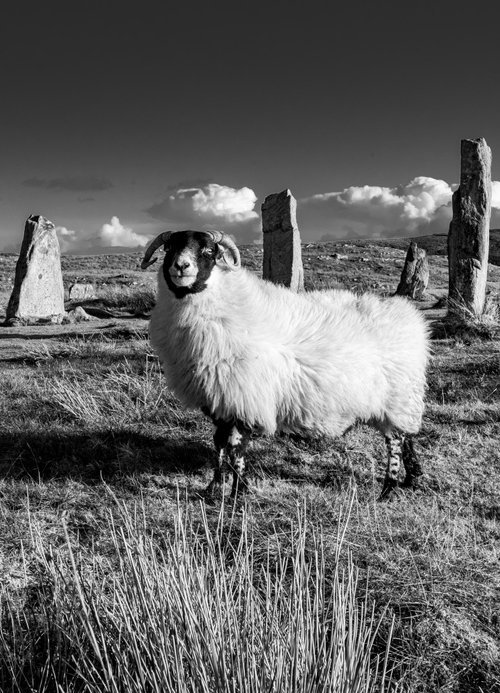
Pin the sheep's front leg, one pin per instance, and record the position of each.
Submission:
(231, 440)
(237, 444)
(221, 436)
(394, 441)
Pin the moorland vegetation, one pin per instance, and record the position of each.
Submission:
(117, 574)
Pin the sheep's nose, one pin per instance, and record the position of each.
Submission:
(181, 265)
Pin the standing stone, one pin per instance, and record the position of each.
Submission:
(468, 237)
(82, 292)
(282, 262)
(415, 274)
(38, 285)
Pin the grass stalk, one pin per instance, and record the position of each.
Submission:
(199, 609)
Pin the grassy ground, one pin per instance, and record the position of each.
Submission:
(102, 513)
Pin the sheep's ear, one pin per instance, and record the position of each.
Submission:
(228, 257)
(219, 255)
(225, 260)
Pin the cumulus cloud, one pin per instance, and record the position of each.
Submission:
(111, 235)
(72, 183)
(421, 206)
(115, 234)
(495, 195)
(212, 206)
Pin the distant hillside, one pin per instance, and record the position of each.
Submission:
(437, 244)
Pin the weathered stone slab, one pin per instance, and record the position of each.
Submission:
(468, 236)
(282, 262)
(38, 286)
(415, 274)
(82, 292)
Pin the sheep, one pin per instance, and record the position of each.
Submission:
(257, 357)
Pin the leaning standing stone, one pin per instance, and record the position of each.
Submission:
(415, 274)
(282, 252)
(469, 234)
(38, 286)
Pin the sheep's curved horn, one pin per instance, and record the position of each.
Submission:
(228, 245)
(152, 247)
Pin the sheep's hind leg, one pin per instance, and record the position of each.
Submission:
(411, 462)
(394, 441)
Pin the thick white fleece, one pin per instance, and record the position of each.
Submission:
(308, 363)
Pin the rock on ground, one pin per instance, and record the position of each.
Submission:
(82, 292)
(77, 315)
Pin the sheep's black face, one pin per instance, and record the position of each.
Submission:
(189, 260)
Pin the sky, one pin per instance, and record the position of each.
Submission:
(120, 120)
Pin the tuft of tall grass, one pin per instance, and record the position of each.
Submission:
(199, 610)
(121, 396)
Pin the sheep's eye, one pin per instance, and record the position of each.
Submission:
(207, 251)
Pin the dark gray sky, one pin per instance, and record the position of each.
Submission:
(109, 109)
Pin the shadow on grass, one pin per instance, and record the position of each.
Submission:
(81, 330)
(321, 461)
(335, 475)
(103, 310)
(120, 457)
(103, 455)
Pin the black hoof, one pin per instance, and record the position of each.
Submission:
(388, 488)
(411, 480)
(416, 470)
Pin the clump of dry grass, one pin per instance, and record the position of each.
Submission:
(134, 299)
(461, 320)
(86, 347)
(199, 610)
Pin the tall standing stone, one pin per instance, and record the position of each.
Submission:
(415, 274)
(282, 252)
(469, 234)
(38, 285)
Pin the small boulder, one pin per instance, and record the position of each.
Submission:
(77, 315)
(82, 292)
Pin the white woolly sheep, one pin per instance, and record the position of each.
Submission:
(257, 357)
